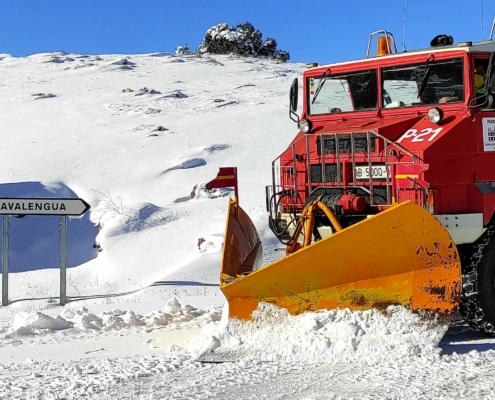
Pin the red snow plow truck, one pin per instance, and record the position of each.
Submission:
(386, 195)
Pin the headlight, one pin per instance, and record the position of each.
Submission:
(435, 115)
(305, 125)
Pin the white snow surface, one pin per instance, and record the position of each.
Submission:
(335, 336)
(137, 136)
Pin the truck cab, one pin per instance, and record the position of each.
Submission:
(391, 127)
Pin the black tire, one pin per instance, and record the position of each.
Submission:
(478, 283)
(486, 283)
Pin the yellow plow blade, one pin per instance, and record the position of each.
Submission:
(401, 256)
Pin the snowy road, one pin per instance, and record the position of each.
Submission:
(141, 362)
(468, 375)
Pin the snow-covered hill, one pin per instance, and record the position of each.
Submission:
(135, 136)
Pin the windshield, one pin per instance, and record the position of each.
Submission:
(444, 84)
(357, 91)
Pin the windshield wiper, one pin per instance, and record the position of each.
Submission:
(323, 78)
(426, 76)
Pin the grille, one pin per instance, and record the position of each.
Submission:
(330, 173)
(379, 195)
(360, 144)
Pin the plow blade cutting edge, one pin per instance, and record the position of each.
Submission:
(401, 256)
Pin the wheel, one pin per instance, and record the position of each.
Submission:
(486, 283)
(478, 283)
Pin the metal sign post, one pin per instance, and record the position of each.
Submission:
(62, 207)
(63, 259)
(5, 261)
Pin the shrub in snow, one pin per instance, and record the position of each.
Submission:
(180, 50)
(244, 40)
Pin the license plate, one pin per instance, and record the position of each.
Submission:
(377, 172)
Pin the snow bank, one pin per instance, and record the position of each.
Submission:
(119, 219)
(28, 323)
(82, 320)
(334, 336)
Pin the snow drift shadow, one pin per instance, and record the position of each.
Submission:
(216, 147)
(462, 339)
(119, 64)
(175, 94)
(34, 241)
(187, 164)
(120, 219)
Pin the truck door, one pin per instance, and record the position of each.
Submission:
(485, 135)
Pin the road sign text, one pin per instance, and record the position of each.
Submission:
(28, 206)
(33, 206)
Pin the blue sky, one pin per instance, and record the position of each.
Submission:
(321, 31)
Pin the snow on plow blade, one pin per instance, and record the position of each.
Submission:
(401, 256)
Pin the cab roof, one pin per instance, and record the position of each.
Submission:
(469, 47)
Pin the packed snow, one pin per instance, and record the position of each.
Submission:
(137, 137)
(334, 336)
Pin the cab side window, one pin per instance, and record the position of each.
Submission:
(479, 76)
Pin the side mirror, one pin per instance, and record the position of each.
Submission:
(293, 96)
(489, 81)
(489, 101)
(293, 99)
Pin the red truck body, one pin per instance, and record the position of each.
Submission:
(447, 167)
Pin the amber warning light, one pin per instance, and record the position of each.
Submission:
(383, 48)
